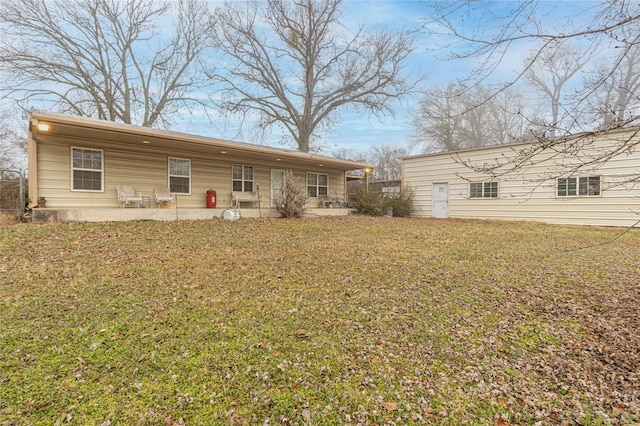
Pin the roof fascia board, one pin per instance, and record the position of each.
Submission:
(187, 138)
(595, 134)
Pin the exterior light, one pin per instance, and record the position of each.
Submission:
(223, 152)
(146, 142)
(43, 127)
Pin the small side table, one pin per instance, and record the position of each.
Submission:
(146, 201)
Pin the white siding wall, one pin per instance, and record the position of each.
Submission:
(529, 194)
(145, 168)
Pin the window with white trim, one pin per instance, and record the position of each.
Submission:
(578, 186)
(87, 169)
(483, 190)
(317, 184)
(242, 178)
(180, 175)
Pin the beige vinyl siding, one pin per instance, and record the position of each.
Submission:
(530, 194)
(146, 167)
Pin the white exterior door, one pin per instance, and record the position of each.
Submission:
(440, 200)
(277, 185)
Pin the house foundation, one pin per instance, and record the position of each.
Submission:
(43, 215)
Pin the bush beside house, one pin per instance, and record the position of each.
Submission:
(376, 204)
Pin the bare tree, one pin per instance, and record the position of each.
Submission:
(515, 116)
(386, 159)
(13, 148)
(438, 117)
(297, 66)
(550, 74)
(116, 60)
(601, 26)
(617, 94)
(478, 126)
(351, 155)
(460, 117)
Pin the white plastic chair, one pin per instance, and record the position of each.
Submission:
(163, 196)
(127, 195)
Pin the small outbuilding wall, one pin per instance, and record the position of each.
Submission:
(547, 189)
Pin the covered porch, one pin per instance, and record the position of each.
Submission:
(87, 170)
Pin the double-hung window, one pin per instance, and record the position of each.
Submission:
(242, 178)
(317, 184)
(483, 190)
(87, 169)
(180, 175)
(578, 186)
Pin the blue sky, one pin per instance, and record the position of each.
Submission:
(359, 131)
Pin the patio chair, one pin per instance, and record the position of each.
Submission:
(163, 196)
(126, 196)
(326, 201)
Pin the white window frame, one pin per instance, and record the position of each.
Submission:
(316, 186)
(170, 175)
(87, 169)
(578, 186)
(486, 190)
(243, 180)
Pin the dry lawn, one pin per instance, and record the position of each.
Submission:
(331, 321)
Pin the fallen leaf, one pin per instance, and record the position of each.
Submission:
(391, 406)
(306, 414)
(499, 421)
(617, 411)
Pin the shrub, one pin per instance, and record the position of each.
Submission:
(375, 204)
(294, 197)
(369, 203)
(402, 203)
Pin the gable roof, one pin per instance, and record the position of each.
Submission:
(108, 131)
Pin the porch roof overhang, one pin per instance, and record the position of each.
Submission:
(107, 131)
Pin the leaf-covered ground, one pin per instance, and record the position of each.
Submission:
(328, 321)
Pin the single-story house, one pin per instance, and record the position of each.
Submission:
(548, 187)
(76, 164)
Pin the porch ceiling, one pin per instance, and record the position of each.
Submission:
(90, 129)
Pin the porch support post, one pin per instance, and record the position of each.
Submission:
(32, 163)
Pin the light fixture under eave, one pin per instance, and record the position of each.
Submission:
(43, 127)
(277, 159)
(146, 142)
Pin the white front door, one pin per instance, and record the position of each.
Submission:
(277, 185)
(440, 200)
